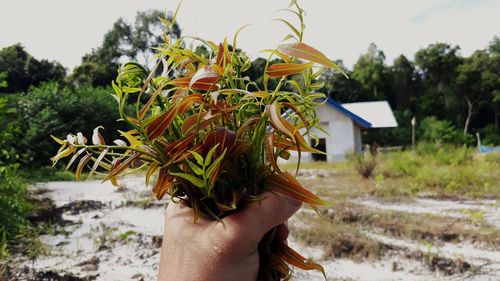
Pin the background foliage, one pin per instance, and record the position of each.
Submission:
(452, 97)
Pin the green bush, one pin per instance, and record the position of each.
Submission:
(490, 135)
(14, 205)
(51, 109)
(439, 131)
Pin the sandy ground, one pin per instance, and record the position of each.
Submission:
(121, 240)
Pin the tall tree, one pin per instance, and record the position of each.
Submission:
(405, 82)
(371, 72)
(339, 88)
(477, 82)
(438, 64)
(21, 70)
(124, 42)
(494, 52)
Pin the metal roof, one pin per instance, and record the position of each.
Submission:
(378, 113)
(358, 119)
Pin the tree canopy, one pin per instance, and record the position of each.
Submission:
(124, 42)
(19, 70)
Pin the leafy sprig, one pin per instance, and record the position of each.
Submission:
(208, 136)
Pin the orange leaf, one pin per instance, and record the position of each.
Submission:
(286, 184)
(161, 123)
(220, 55)
(120, 167)
(270, 153)
(163, 183)
(243, 128)
(222, 136)
(180, 144)
(151, 100)
(188, 102)
(182, 82)
(295, 259)
(191, 123)
(306, 52)
(205, 77)
(85, 159)
(278, 121)
(289, 145)
(284, 69)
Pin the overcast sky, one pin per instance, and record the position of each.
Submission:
(64, 30)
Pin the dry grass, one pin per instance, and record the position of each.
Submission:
(337, 239)
(340, 230)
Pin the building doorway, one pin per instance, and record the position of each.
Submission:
(321, 146)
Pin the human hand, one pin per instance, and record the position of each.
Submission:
(210, 250)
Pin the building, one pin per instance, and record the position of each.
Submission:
(344, 124)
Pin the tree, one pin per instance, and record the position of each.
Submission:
(494, 46)
(371, 72)
(3, 79)
(21, 70)
(339, 88)
(477, 82)
(405, 83)
(124, 42)
(437, 64)
(494, 52)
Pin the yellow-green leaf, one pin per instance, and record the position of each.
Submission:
(285, 69)
(306, 52)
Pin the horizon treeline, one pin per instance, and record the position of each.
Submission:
(452, 97)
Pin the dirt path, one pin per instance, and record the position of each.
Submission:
(106, 234)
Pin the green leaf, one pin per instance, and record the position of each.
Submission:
(197, 170)
(118, 91)
(236, 35)
(212, 171)
(198, 157)
(317, 86)
(192, 179)
(295, 30)
(210, 153)
(174, 17)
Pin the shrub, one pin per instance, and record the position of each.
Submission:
(439, 131)
(14, 205)
(51, 109)
(490, 135)
(365, 165)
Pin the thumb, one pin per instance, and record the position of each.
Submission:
(260, 217)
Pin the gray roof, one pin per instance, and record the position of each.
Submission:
(378, 113)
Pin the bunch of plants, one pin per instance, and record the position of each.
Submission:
(210, 135)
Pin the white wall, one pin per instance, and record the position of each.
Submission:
(345, 136)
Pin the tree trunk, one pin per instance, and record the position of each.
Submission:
(496, 115)
(469, 115)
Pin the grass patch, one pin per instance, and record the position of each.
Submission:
(45, 174)
(432, 170)
(441, 170)
(336, 238)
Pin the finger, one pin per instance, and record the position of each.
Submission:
(260, 217)
(282, 232)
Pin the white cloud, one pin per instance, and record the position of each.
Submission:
(65, 30)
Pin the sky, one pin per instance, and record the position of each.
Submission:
(65, 30)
